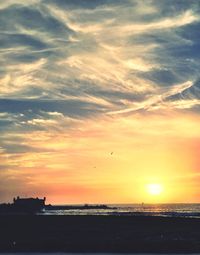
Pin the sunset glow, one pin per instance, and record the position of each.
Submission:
(100, 101)
(154, 189)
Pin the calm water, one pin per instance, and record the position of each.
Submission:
(173, 210)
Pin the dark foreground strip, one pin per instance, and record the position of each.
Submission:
(29, 233)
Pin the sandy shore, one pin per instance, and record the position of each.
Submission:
(99, 234)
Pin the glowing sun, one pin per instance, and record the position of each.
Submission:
(154, 189)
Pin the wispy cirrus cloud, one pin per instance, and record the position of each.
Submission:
(68, 64)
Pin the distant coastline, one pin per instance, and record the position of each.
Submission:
(36, 205)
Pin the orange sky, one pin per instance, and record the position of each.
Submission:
(111, 160)
(99, 99)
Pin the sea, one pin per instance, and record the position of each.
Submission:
(163, 210)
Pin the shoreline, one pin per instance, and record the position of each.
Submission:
(113, 234)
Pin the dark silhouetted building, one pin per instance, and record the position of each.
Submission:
(29, 204)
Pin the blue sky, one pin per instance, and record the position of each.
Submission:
(65, 64)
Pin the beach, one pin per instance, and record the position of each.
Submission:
(113, 234)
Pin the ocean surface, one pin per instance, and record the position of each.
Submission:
(165, 210)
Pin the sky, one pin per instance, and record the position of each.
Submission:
(99, 99)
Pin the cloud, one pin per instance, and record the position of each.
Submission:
(67, 65)
(83, 59)
(57, 50)
(79, 60)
